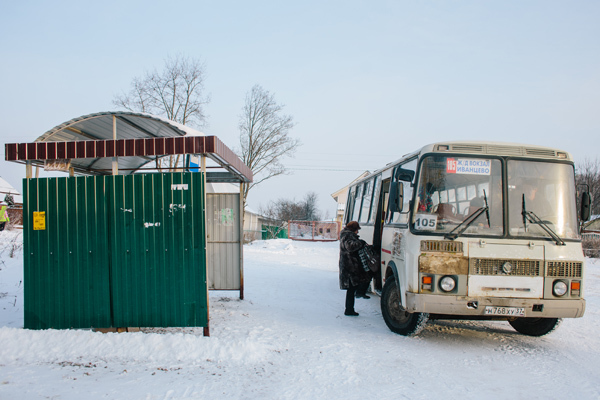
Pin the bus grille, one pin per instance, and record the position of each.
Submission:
(540, 152)
(491, 266)
(470, 148)
(567, 269)
(447, 246)
(503, 150)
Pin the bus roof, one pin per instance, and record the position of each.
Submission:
(497, 149)
(483, 148)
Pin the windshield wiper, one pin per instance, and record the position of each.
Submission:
(534, 219)
(487, 209)
(469, 220)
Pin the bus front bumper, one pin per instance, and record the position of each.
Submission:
(494, 307)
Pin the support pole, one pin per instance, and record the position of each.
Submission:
(241, 228)
(115, 160)
(28, 170)
(203, 172)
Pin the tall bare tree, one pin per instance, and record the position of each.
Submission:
(176, 92)
(587, 174)
(311, 212)
(264, 137)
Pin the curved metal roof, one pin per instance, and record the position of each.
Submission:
(136, 138)
(130, 125)
(99, 126)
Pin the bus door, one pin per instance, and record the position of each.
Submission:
(379, 213)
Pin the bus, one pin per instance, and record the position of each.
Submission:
(475, 230)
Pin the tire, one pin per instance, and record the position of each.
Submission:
(395, 316)
(535, 326)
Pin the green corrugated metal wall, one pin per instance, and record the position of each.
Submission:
(117, 251)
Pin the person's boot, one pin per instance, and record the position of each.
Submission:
(351, 313)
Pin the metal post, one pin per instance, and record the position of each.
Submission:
(115, 160)
(241, 228)
(28, 170)
(203, 171)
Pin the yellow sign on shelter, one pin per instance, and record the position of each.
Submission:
(39, 220)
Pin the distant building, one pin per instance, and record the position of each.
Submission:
(253, 222)
(341, 197)
(7, 188)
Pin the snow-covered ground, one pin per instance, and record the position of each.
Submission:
(289, 339)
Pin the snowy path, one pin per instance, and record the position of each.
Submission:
(289, 340)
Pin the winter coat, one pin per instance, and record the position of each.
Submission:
(4, 214)
(351, 269)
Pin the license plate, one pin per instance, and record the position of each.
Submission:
(508, 311)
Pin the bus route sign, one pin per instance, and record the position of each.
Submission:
(471, 166)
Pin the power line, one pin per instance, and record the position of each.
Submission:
(327, 169)
(379, 155)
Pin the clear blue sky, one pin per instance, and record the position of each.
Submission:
(366, 81)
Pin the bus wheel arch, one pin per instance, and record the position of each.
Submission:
(395, 315)
(391, 272)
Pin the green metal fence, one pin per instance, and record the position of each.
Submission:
(273, 232)
(115, 251)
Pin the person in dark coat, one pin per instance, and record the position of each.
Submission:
(352, 273)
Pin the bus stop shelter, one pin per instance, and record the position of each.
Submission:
(120, 243)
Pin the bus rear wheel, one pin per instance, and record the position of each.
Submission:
(535, 326)
(395, 316)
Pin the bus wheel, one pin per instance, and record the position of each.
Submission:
(535, 326)
(395, 316)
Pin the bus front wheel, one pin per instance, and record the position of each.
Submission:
(395, 316)
(535, 326)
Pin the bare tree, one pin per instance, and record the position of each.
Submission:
(264, 137)
(176, 92)
(280, 212)
(291, 210)
(587, 173)
(275, 221)
(311, 213)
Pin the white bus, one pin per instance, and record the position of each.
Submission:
(475, 230)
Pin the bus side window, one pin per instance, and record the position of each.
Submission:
(350, 204)
(402, 217)
(386, 198)
(376, 192)
(407, 193)
(366, 203)
(357, 203)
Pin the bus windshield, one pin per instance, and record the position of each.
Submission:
(452, 189)
(548, 191)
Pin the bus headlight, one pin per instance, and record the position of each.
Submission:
(447, 283)
(559, 288)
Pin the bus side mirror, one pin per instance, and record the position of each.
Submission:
(396, 196)
(405, 175)
(586, 202)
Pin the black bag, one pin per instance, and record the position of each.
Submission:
(369, 260)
